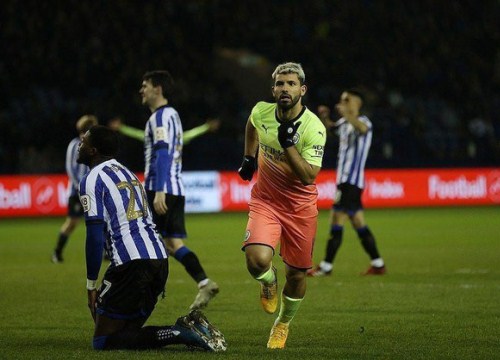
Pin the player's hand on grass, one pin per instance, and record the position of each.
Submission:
(286, 132)
(159, 203)
(92, 301)
(247, 168)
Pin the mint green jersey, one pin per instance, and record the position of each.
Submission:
(309, 141)
(277, 183)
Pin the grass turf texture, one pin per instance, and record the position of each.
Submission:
(439, 300)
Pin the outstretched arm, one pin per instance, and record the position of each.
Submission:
(211, 125)
(131, 132)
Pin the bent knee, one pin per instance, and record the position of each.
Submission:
(258, 259)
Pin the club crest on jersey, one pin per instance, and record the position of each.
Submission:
(247, 235)
(160, 134)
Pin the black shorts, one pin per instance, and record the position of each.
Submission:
(75, 208)
(172, 224)
(348, 198)
(131, 290)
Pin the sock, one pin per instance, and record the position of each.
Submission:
(288, 309)
(191, 263)
(61, 243)
(267, 277)
(202, 283)
(378, 263)
(368, 242)
(325, 266)
(148, 337)
(334, 242)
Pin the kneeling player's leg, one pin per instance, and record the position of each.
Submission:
(130, 335)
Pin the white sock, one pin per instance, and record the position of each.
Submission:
(325, 266)
(378, 262)
(202, 283)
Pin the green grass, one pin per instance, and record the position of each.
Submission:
(439, 300)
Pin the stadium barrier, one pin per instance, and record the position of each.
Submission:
(212, 191)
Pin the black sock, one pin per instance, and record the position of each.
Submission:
(368, 242)
(191, 263)
(334, 242)
(61, 243)
(148, 337)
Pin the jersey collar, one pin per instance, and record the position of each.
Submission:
(294, 119)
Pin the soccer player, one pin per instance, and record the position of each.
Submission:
(355, 133)
(118, 219)
(163, 143)
(75, 173)
(290, 141)
(211, 125)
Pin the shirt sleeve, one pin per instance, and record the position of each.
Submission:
(314, 143)
(255, 117)
(131, 132)
(91, 198)
(193, 133)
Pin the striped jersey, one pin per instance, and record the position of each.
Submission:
(113, 194)
(277, 183)
(163, 131)
(353, 151)
(74, 170)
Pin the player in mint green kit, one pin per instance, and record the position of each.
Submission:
(283, 212)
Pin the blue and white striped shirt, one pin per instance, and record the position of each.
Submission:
(113, 194)
(163, 132)
(74, 170)
(353, 151)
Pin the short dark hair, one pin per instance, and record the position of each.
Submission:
(356, 92)
(161, 78)
(104, 140)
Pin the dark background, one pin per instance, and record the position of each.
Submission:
(430, 69)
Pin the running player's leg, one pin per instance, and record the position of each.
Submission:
(377, 265)
(262, 236)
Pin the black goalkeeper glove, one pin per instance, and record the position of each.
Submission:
(247, 168)
(286, 132)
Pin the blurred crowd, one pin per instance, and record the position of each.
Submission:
(430, 70)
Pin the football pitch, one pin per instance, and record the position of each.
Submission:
(439, 300)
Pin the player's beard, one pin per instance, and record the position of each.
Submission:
(288, 105)
(83, 158)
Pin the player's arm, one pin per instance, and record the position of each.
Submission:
(71, 168)
(94, 246)
(324, 115)
(248, 165)
(251, 139)
(163, 163)
(132, 132)
(305, 172)
(358, 124)
(211, 125)
(352, 118)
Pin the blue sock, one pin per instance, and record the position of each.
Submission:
(98, 342)
(180, 253)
